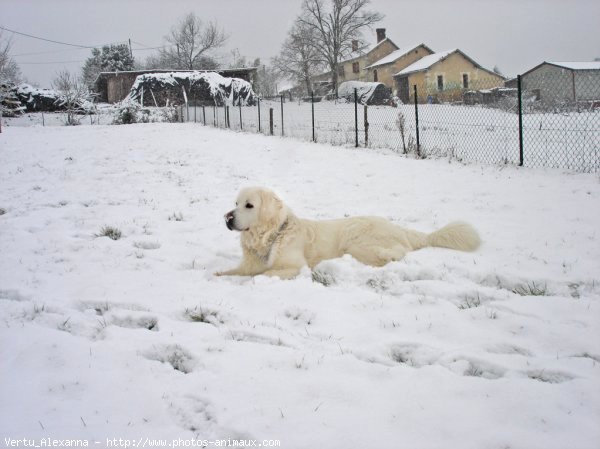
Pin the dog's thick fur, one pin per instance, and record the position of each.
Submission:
(277, 243)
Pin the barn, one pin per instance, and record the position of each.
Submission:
(555, 83)
(193, 87)
(113, 87)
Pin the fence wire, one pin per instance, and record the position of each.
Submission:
(542, 123)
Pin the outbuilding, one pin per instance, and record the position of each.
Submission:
(113, 87)
(555, 83)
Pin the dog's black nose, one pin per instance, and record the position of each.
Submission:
(229, 220)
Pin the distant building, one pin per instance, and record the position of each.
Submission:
(113, 87)
(443, 76)
(353, 68)
(563, 82)
(384, 69)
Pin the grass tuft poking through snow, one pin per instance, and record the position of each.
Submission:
(470, 302)
(323, 278)
(110, 232)
(531, 289)
(201, 314)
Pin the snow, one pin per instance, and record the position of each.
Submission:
(135, 338)
(393, 56)
(425, 62)
(218, 85)
(463, 133)
(364, 90)
(591, 65)
(29, 90)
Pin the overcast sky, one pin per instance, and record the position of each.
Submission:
(515, 35)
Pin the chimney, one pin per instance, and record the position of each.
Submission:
(354, 45)
(380, 34)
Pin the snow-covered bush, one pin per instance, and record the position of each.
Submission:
(72, 94)
(9, 102)
(128, 112)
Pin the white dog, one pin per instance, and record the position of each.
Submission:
(277, 243)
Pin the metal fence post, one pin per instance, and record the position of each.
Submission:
(366, 128)
(271, 120)
(282, 115)
(355, 117)
(259, 115)
(240, 104)
(312, 105)
(204, 114)
(417, 120)
(520, 112)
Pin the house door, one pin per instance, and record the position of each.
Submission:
(403, 91)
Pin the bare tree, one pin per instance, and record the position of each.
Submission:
(72, 94)
(299, 58)
(335, 27)
(9, 70)
(265, 83)
(192, 41)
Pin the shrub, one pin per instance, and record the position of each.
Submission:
(127, 113)
(110, 232)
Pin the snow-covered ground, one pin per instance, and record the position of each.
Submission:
(466, 133)
(135, 338)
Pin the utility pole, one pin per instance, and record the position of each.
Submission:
(130, 51)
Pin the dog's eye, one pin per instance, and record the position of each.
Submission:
(249, 206)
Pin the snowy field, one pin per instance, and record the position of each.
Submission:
(466, 133)
(136, 339)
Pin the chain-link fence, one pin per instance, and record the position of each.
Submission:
(551, 121)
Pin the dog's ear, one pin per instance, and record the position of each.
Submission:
(271, 208)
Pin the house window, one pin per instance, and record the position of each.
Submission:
(341, 71)
(465, 79)
(355, 67)
(440, 82)
(375, 76)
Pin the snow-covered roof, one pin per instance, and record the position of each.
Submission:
(366, 49)
(395, 55)
(587, 65)
(285, 85)
(363, 89)
(426, 62)
(233, 71)
(142, 72)
(218, 86)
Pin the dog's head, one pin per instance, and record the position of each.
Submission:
(256, 208)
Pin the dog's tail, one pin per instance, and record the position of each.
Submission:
(456, 235)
